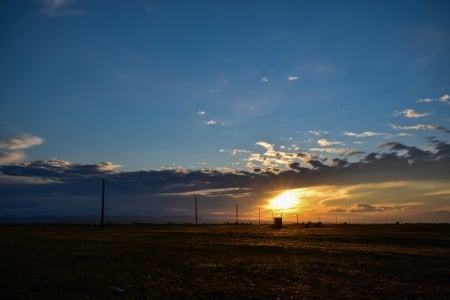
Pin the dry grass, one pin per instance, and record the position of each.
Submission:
(212, 262)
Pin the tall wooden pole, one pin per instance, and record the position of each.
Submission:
(196, 219)
(103, 202)
(259, 217)
(237, 215)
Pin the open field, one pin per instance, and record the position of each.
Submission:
(227, 262)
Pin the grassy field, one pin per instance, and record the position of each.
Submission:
(225, 262)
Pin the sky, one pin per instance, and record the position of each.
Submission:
(346, 104)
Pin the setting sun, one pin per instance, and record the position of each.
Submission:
(284, 201)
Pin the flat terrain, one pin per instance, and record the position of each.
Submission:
(225, 262)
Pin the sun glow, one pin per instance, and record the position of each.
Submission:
(285, 201)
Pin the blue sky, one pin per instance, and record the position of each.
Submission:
(221, 85)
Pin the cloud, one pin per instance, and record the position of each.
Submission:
(425, 100)
(444, 98)
(337, 210)
(411, 113)
(201, 113)
(364, 134)
(413, 154)
(210, 122)
(317, 132)
(10, 157)
(362, 207)
(264, 79)
(325, 142)
(59, 170)
(292, 78)
(333, 150)
(394, 178)
(276, 160)
(268, 146)
(20, 142)
(239, 151)
(404, 134)
(107, 166)
(9, 179)
(58, 8)
(421, 127)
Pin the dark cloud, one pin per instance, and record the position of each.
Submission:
(58, 169)
(443, 150)
(337, 210)
(69, 188)
(316, 164)
(413, 154)
(295, 166)
(361, 207)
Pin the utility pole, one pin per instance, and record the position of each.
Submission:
(196, 220)
(237, 215)
(259, 216)
(103, 202)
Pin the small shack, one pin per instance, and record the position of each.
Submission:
(277, 222)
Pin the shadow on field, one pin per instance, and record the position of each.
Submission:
(249, 262)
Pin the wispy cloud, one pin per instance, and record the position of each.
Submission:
(201, 113)
(421, 127)
(20, 142)
(264, 79)
(411, 113)
(325, 142)
(292, 78)
(333, 150)
(12, 179)
(235, 151)
(444, 98)
(405, 134)
(364, 134)
(210, 122)
(215, 91)
(317, 132)
(362, 207)
(424, 100)
(239, 151)
(59, 8)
